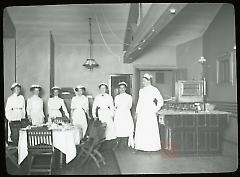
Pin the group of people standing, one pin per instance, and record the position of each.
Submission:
(115, 113)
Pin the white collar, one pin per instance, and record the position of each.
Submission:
(14, 94)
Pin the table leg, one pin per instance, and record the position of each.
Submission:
(61, 159)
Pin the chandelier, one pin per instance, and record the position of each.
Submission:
(90, 63)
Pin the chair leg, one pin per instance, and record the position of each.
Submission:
(95, 160)
(30, 164)
(87, 153)
(100, 156)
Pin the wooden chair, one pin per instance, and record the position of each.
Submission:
(40, 144)
(90, 147)
(12, 153)
(61, 120)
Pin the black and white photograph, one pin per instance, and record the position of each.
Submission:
(120, 88)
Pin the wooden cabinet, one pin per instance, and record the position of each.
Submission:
(193, 133)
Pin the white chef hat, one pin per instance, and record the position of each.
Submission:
(35, 86)
(102, 83)
(15, 85)
(147, 76)
(122, 83)
(55, 88)
(79, 87)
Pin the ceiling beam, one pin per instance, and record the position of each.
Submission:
(156, 19)
(131, 25)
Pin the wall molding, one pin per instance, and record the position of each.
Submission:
(226, 106)
(230, 141)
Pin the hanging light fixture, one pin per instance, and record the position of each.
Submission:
(90, 63)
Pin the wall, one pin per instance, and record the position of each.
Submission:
(33, 61)
(69, 71)
(9, 34)
(187, 56)
(218, 39)
(8, 65)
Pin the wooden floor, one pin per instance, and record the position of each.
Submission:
(90, 168)
(127, 161)
(139, 162)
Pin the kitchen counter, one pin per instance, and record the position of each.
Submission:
(187, 132)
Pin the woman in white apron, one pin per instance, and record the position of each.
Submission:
(147, 136)
(79, 109)
(55, 104)
(35, 106)
(123, 119)
(15, 112)
(103, 106)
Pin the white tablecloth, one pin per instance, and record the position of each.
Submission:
(63, 140)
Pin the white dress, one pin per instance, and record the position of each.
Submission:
(14, 110)
(105, 113)
(54, 104)
(79, 104)
(35, 109)
(147, 136)
(123, 119)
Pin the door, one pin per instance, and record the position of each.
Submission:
(115, 79)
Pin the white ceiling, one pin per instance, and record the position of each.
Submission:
(69, 23)
(189, 24)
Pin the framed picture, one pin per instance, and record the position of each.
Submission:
(225, 68)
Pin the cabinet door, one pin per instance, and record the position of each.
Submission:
(214, 141)
(189, 141)
(178, 122)
(213, 121)
(202, 134)
(202, 141)
(188, 121)
(177, 143)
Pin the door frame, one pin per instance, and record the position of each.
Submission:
(138, 68)
(110, 85)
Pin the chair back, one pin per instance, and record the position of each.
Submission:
(40, 140)
(61, 120)
(97, 131)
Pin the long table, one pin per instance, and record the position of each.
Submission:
(187, 132)
(64, 140)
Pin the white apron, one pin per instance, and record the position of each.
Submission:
(14, 110)
(79, 105)
(123, 119)
(54, 104)
(35, 109)
(147, 136)
(105, 113)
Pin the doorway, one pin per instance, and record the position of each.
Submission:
(115, 79)
(163, 78)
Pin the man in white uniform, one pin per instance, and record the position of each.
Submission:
(79, 109)
(123, 119)
(147, 136)
(14, 112)
(35, 106)
(103, 109)
(55, 104)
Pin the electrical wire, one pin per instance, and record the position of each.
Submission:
(118, 57)
(119, 40)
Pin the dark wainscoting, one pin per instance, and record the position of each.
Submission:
(226, 106)
(229, 107)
